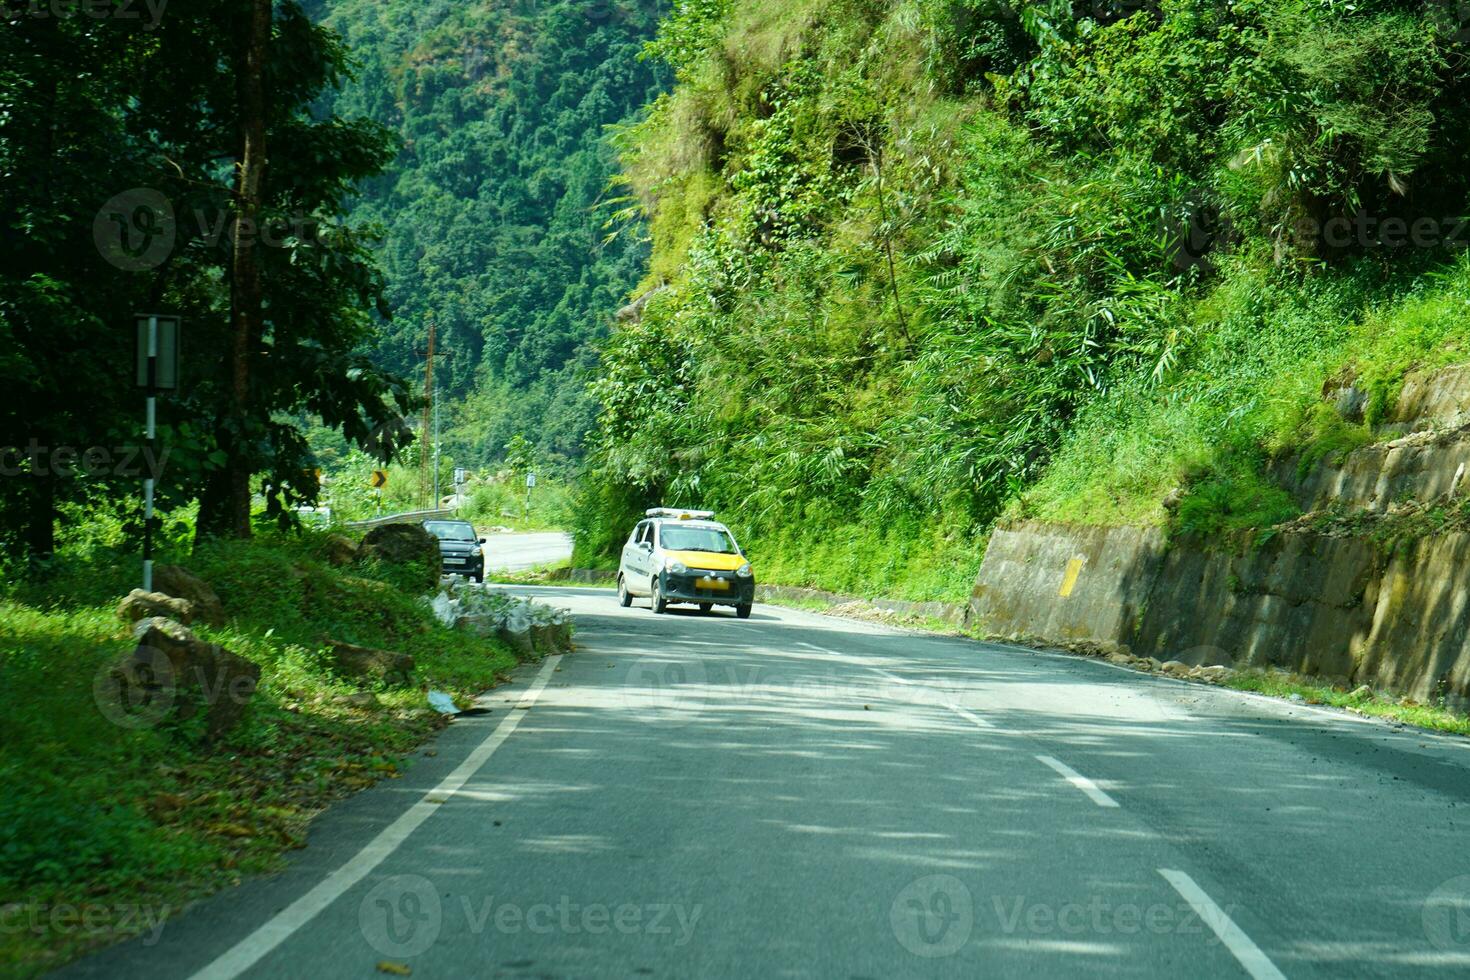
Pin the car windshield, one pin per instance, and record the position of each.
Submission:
(450, 530)
(675, 538)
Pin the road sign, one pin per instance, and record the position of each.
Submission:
(379, 479)
(530, 480)
(158, 342)
(460, 474)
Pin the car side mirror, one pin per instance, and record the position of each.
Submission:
(646, 545)
(482, 540)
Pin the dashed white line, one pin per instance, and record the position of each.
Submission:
(1078, 780)
(1247, 953)
(248, 951)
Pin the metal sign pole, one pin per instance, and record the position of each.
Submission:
(149, 436)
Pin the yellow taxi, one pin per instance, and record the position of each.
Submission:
(685, 556)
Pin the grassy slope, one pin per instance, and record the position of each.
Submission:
(1037, 348)
(101, 817)
(1251, 386)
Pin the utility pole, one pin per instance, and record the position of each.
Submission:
(158, 369)
(435, 401)
(429, 423)
(424, 424)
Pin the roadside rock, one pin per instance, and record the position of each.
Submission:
(172, 673)
(341, 550)
(367, 663)
(549, 638)
(1214, 674)
(1362, 693)
(518, 638)
(138, 604)
(403, 544)
(1174, 668)
(358, 699)
(480, 624)
(183, 584)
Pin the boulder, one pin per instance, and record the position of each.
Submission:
(545, 639)
(367, 663)
(518, 638)
(403, 544)
(1174, 668)
(480, 624)
(172, 674)
(341, 550)
(183, 584)
(138, 604)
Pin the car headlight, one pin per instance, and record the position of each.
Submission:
(676, 568)
(745, 571)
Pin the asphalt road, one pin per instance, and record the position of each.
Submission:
(799, 796)
(518, 552)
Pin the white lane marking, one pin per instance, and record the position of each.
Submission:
(1078, 780)
(1249, 955)
(248, 951)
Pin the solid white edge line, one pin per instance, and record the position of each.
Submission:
(250, 950)
(1247, 953)
(1078, 780)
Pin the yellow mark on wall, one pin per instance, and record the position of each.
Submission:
(1069, 580)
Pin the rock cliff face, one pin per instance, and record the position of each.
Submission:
(1356, 592)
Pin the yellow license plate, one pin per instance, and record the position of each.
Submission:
(718, 584)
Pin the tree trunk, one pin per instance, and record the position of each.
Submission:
(225, 509)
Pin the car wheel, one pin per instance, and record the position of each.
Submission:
(625, 598)
(656, 595)
(743, 610)
(705, 607)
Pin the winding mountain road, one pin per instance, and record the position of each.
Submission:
(801, 796)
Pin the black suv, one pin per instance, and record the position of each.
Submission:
(459, 548)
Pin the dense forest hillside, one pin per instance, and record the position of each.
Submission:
(493, 211)
(918, 266)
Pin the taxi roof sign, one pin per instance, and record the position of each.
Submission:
(678, 514)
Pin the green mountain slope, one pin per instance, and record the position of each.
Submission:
(491, 211)
(920, 265)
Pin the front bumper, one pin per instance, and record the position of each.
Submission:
(462, 564)
(700, 586)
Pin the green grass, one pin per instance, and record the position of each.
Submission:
(920, 564)
(101, 816)
(1250, 387)
(1432, 717)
